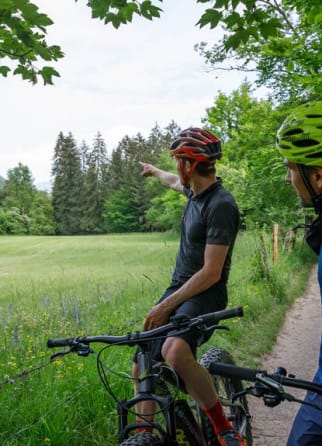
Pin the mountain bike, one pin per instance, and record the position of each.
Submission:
(180, 421)
(269, 387)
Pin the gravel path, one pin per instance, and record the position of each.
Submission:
(296, 349)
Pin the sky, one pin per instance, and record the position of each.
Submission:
(116, 82)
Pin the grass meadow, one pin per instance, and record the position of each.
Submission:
(67, 286)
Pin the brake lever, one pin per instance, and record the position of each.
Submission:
(247, 391)
(217, 327)
(80, 349)
(59, 354)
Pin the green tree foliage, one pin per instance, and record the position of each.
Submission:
(229, 113)
(84, 154)
(159, 140)
(166, 211)
(23, 41)
(124, 174)
(94, 193)
(121, 213)
(165, 207)
(251, 166)
(41, 215)
(280, 40)
(67, 190)
(19, 190)
(121, 11)
(13, 222)
(23, 30)
(24, 209)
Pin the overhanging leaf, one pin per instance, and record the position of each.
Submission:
(211, 17)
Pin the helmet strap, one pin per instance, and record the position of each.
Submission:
(316, 199)
(185, 177)
(186, 174)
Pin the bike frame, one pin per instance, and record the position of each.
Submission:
(181, 425)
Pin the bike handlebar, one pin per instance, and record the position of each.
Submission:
(255, 375)
(180, 323)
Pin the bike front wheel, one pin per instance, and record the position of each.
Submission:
(143, 439)
(237, 411)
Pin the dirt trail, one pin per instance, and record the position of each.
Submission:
(296, 349)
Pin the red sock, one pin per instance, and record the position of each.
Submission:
(218, 418)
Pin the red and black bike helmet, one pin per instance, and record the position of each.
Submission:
(196, 144)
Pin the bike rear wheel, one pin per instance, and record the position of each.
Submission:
(143, 439)
(237, 412)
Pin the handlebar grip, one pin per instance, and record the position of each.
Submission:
(218, 316)
(63, 342)
(232, 312)
(222, 369)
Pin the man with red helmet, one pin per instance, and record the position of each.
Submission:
(209, 227)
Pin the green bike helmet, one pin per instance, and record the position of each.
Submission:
(299, 139)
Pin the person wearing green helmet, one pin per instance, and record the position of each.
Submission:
(299, 140)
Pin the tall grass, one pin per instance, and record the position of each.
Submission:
(65, 286)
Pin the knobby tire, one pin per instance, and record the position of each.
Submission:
(143, 439)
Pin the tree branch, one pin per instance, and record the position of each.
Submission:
(14, 54)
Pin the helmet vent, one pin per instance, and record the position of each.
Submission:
(299, 139)
(306, 143)
(293, 132)
(315, 155)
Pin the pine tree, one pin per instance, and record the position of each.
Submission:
(94, 187)
(115, 178)
(126, 183)
(67, 185)
(84, 154)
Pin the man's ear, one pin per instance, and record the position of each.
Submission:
(317, 178)
(186, 165)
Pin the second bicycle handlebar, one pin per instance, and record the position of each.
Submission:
(254, 375)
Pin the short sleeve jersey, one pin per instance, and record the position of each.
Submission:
(209, 218)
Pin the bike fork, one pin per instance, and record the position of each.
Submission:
(166, 405)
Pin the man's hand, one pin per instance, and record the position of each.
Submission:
(148, 169)
(159, 315)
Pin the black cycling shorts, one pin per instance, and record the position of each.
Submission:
(213, 299)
